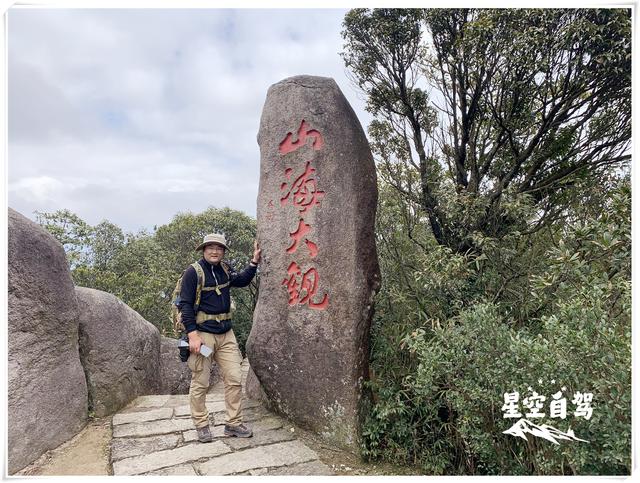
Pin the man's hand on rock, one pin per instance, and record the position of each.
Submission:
(256, 253)
(194, 342)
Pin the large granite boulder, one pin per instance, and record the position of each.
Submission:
(316, 208)
(119, 349)
(252, 388)
(47, 391)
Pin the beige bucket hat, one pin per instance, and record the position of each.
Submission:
(213, 238)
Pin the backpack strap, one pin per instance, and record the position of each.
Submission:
(202, 317)
(200, 273)
(217, 288)
(226, 269)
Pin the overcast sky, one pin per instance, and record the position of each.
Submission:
(136, 115)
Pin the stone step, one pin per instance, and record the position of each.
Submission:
(271, 456)
(154, 435)
(138, 465)
(265, 424)
(311, 468)
(149, 428)
(128, 447)
(138, 417)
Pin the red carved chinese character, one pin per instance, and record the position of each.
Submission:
(303, 191)
(292, 283)
(313, 248)
(287, 146)
(298, 235)
(308, 286)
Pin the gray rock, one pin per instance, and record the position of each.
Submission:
(252, 388)
(215, 395)
(260, 438)
(175, 375)
(268, 423)
(180, 470)
(150, 401)
(120, 351)
(316, 208)
(47, 390)
(250, 403)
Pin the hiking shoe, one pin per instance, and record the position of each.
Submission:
(241, 431)
(204, 434)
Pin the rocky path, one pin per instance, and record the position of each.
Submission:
(154, 435)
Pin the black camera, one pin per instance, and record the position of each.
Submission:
(184, 350)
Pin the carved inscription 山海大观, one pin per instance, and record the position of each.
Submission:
(302, 194)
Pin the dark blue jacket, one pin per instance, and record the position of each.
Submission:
(210, 301)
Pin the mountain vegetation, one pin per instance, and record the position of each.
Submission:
(502, 142)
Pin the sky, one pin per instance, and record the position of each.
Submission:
(135, 115)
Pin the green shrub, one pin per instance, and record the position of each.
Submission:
(565, 321)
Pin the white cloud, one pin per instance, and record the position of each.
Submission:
(136, 115)
(40, 188)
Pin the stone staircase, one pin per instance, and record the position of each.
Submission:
(154, 435)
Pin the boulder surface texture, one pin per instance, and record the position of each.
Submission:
(47, 391)
(120, 351)
(316, 210)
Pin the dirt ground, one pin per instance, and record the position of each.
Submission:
(88, 454)
(85, 454)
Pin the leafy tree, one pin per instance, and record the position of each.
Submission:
(106, 242)
(143, 279)
(502, 145)
(475, 109)
(84, 245)
(453, 332)
(73, 233)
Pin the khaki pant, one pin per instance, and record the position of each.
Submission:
(227, 355)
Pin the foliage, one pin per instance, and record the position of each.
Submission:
(71, 231)
(142, 269)
(501, 138)
(454, 332)
(475, 107)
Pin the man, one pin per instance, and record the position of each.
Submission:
(211, 326)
